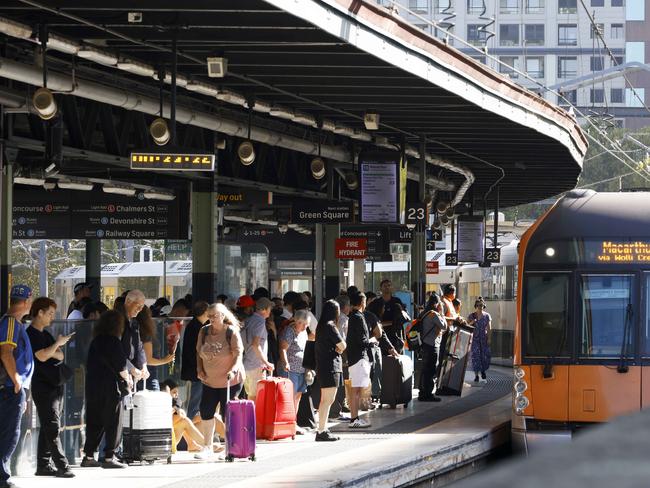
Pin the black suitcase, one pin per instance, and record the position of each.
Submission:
(147, 428)
(396, 381)
(451, 375)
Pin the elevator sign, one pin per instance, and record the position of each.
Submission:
(351, 248)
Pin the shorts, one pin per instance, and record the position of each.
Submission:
(328, 379)
(360, 374)
(252, 377)
(211, 397)
(298, 380)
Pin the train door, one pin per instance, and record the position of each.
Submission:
(645, 340)
(604, 383)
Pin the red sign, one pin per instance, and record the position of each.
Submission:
(351, 248)
(433, 267)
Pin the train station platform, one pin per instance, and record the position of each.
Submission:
(402, 447)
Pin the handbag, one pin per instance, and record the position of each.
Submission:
(309, 357)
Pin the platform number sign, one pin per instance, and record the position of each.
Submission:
(451, 259)
(416, 213)
(492, 255)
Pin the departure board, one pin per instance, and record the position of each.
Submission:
(172, 161)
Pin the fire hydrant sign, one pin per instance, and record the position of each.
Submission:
(351, 248)
(433, 267)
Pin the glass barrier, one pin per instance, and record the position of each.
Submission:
(168, 332)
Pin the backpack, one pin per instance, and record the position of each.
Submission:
(414, 337)
(229, 333)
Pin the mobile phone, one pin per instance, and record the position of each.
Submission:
(72, 333)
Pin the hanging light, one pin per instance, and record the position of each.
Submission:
(44, 103)
(444, 220)
(351, 181)
(450, 213)
(246, 153)
(159, 131)
(318, 168)
(442, 206)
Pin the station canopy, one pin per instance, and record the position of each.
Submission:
(294, 65)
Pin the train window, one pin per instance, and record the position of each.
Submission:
(546, 314)
(606, 304)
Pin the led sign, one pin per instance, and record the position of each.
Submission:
(624, 252)
(172, 161)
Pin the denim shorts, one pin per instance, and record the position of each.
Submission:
(298, 380)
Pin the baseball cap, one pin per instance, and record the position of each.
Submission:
(245, 301)
(80, 286)
(264, 303)
(20, 292)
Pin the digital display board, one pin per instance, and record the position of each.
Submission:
(624, 252)
(383, 188)
(172, 161)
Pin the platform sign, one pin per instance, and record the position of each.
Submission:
(172, 161)
(383, 188)
(376, 238)
(451, 259)
(433, 267)
(492, 255)
(470, 239)
(402, 235)
(351, 248)
(308, 211)
(416, 213)
(97, 215)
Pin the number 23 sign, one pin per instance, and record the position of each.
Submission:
(416, 213)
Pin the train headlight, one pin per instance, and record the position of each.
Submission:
(519, 373)
(520, 387)
(521, 403)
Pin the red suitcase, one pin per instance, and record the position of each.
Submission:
(275, 412)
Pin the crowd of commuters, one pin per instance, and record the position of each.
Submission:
(227, 347)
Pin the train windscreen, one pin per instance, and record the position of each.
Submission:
(545, 315)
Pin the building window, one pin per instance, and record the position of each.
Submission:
(596, 63)
(616, 95)
(567, 6)
(634, 97)
(509, 35)
(442, 5)
(509, 6)
(419, 6)
(534, 6)
(592, 31)
(618, 31)
(535, 66)
(567, 66)
(635, 10)
(567, 35)
(618, 3)
(596, 95)
(617, 61)
(443, 35)
(534, 34)
(597, 3)
(475, 36)
(510, 63)
(474, 6)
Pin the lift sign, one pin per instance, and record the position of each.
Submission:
(172, 162)
(624, 252)
(351, 248)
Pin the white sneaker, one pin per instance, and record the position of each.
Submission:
(482, 380)
(359, 424)
(204, 454)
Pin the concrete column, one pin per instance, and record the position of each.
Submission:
(358, 273)
(332, 232)
(318, 270)
(6, 181)
(205, 217)
(419, 245)
(94, 267)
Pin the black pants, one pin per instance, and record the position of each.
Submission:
(211, 397)
(103, 417)
(48, 405)
(429, 367)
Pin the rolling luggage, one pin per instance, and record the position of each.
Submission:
(451, 375)
(275, 410)
(396, 381)
(240, 429)
(147, 428)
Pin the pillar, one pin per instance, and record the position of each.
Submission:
(332, 273)
(318, 270)
(6, 182)
(419, 244)
(205, 220)
(94, 267)
(358, 273)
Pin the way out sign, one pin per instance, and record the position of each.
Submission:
(351, 248)
(433, 267)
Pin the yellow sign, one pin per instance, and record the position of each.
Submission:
(624, 252)
(172, 162)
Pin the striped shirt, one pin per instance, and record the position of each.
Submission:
(14, 334)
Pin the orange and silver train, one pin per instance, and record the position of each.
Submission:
(582, 335)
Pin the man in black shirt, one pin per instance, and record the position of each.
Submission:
(358, 341)
(386, 287)
(131, 340)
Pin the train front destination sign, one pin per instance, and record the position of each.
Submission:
(172, 161)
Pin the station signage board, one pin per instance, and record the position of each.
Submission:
(38, 214)
(416, 213)
(227, 197)
(470, 239)
(178, 161)
(376, 238)
(433, 267)
(451, 259)
(322, 212)
(383, 188)
(402, 235)
(492, 255)
(351, 248)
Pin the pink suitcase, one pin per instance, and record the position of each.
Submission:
(240, 429)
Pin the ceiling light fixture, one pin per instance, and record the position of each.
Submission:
(62, 44)
(159, 131)
(231, 97)
(371, 120)
(15, 29)
(100, 56)
(202, 88)
(74, 184)
(136, 67)
(328, 125)
(246, 150)
(44, 103)
(116, 189)
(217, 67)
(282, 112)
(361, 136)
(29, 180)
(158, 195)
(260, 106)
(181, 80)
(305, 119)
(343, 130)
(351, 181)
